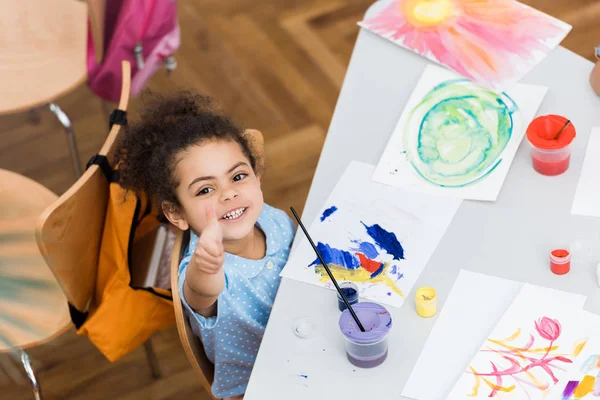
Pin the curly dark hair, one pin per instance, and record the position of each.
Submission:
(147, 153)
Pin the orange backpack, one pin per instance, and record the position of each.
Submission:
(122, 317)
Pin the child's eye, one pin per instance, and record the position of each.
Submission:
(239, 177)
(206, 190)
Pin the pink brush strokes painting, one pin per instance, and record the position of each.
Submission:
(492, 42)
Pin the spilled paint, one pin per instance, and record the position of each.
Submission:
(328, 213)
(385, 240)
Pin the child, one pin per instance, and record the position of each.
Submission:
(595, 75)
(204, 173)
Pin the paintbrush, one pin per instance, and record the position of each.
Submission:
(562, 129)
(362, 329)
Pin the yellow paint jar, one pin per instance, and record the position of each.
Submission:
(426, 302)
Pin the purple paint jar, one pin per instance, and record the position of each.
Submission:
(366, 349)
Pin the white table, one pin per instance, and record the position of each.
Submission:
(510, 238)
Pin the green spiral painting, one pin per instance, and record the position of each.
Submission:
(456, 135)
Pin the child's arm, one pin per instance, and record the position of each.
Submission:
(205, 278)
(595, 75)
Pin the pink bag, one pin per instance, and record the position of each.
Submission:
(143, 32)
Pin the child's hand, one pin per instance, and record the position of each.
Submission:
(209, 254)
(205, 278)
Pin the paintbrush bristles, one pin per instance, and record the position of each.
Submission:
(348, 305)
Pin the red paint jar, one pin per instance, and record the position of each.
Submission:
(550, 155)
(560, 261)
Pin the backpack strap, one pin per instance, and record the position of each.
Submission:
(118, 117)
(102, 161)
(77, 317)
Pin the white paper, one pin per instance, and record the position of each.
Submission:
(475, 304)
(585, 372)
(530, 348)
(587, 196)
(472, 137)
(417, 220)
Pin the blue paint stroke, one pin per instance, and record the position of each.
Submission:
(303, 376)
(393, 270)
(335, 256)
(328, 212)
(389, 293)
(385, 240)
(367, 249)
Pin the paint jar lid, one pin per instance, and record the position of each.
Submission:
(560, 256)
(542, 131)
(376, 320)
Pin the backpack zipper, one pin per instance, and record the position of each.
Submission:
(138, 50)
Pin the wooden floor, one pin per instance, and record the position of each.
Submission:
(274, 65)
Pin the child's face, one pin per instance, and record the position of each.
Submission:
(217, 174)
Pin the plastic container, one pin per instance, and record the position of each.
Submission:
(370, 348)
(350, 290)
(560, 261)
(550, 155)
(426, 301)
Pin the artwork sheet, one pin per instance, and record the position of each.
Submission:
(377, 236)
(468, 314)
(491, 42)
(530, 349)
(456, 138)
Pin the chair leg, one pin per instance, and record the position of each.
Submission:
(66, 123)
(152, 360)
(37, 391)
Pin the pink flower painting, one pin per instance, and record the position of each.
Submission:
(492, 42)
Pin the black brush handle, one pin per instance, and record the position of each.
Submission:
(362, 329)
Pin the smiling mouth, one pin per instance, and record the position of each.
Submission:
(234, 214)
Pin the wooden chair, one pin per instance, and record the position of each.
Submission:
(69, 232)
(192, 345)
(33, 309)
(43, 57)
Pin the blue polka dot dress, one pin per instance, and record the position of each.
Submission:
(231, 338)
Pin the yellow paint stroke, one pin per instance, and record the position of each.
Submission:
(499, 388)
(359, 275)
(512, 337)
(539, 384)
(585, 387)
(477, 383)
(536, 350)
(579, 347)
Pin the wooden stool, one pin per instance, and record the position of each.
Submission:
(42, 57)
(33, 307)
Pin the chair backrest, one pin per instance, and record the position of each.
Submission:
(97, 16)
(192, 345)
(69, 232)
